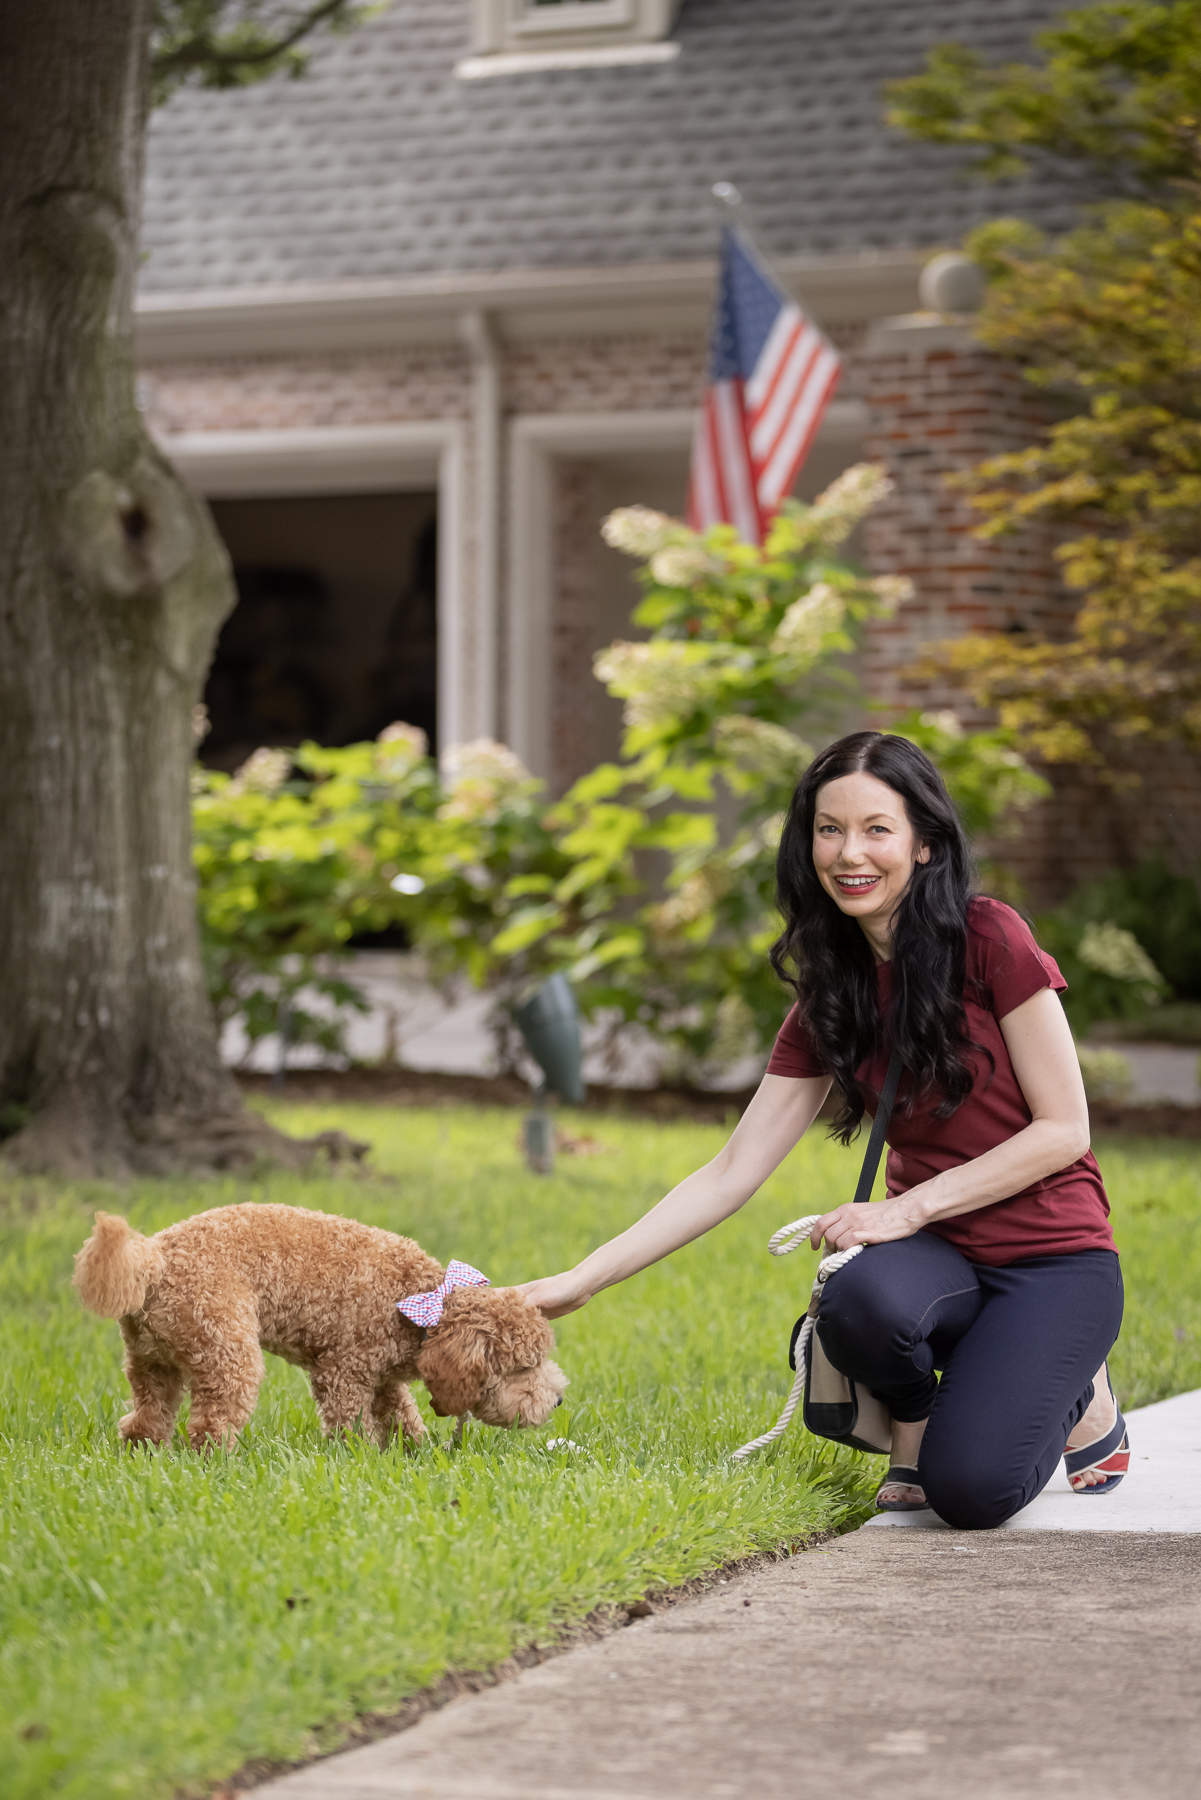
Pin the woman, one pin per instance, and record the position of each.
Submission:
(991, 1258)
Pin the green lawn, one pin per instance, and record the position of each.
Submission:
(164, 1618)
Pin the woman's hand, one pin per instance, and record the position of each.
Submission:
(882, 1223)
(554, 1295)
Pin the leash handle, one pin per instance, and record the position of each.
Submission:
(875, 1142)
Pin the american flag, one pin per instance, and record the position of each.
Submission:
(771, 376)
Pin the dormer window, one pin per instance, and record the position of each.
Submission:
(519, 36)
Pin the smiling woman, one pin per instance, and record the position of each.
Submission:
(991, 1258)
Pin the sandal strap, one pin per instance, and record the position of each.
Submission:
(1087, 1456)
(902, 1474)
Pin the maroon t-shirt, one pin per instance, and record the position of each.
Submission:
(1065, 1211)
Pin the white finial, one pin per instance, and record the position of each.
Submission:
(727, 192)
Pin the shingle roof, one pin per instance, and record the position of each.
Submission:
(382, 163)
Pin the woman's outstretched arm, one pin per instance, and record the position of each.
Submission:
(776, 1119)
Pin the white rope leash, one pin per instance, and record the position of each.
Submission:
(787, 1239)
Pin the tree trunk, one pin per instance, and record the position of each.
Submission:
(113, 585)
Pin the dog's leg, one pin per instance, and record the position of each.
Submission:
(157, 1391)
(343, 1396)
(224, 1380)
(395, 1406)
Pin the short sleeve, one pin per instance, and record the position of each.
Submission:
(1006, 959)
(794, 1053)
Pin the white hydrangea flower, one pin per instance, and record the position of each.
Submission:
(638, 530)
(947, 722)
(680, 565)
(693, 898)
(481, 776)
(482, 760)
(657, 681)
(892, 591)
(1117, 953)
(800, 632)
(402, 744)
(836, 512)
(766, 749)
(265, 771)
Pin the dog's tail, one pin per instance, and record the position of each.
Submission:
(116, 1268)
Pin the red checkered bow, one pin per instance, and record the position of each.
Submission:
(426, 1309)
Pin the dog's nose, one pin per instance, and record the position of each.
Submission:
(559, 1401)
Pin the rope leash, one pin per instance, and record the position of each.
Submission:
(783, 1242)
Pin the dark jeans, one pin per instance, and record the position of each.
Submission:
(1018, 1348)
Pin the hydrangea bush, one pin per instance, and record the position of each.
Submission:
(651, 883)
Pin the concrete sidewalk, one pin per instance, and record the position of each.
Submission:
(921, 1664)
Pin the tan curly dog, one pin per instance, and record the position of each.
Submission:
(201, 1301)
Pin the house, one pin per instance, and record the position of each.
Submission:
(416, 322)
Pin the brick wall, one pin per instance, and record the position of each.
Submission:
(263, 393)
(939, 405)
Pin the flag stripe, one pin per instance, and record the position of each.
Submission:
(767, 429)
(737, 472)
(789, 322)
(780, 473)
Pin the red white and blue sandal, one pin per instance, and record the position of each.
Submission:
(1108, 1456)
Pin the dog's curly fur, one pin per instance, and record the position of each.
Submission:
(202, 1300)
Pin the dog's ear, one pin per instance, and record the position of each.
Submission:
(451, 1362)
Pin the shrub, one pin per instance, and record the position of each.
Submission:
(1106, 1075)
(1126, 942)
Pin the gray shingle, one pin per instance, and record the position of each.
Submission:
(381, 163)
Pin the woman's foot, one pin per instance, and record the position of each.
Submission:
(898, 1494)
(1099, 1417)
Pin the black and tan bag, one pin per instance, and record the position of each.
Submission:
(832, 1406)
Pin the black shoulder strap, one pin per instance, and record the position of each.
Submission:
(875, 1143)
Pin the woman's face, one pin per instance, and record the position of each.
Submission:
(864, 849)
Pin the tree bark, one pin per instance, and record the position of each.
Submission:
(113, 585)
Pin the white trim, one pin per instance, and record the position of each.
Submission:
(334, 459)
(525, 304)
(922, 333)
(532, 62)
(569, 16)
(535, 440)
(486, 469)
(452, 625)
(359, 459)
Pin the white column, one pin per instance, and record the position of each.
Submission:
(477, 716)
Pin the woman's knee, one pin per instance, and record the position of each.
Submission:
(859, 1309)
(971, 1496)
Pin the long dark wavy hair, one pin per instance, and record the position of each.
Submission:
(825, 957)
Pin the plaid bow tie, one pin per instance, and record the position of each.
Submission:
(426, 1309)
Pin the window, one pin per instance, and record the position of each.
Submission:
(514, 36)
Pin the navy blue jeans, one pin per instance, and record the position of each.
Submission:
(1018, 1348)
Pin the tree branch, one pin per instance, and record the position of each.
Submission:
(189, 40)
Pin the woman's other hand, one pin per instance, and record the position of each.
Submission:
(881, 1223)
(554, 1295)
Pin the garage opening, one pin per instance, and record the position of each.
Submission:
(335, 631)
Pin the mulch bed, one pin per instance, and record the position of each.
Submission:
(410, 1087)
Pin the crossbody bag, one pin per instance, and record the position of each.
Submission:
(832, 1405)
